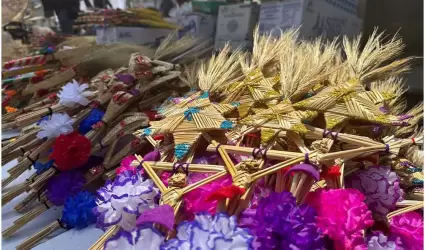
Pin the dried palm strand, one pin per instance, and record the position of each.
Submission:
(367, 65)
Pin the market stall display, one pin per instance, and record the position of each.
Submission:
(297, 145)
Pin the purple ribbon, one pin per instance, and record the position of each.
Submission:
(334, 135)
(259, 151)
(182, 166)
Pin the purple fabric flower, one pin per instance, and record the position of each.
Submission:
(378, 241)
(380, 186)
(64, 185)
(279, 224)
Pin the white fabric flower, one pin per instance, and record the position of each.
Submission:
(122, 201)
(58, 124)
(146, 238)
(209, 232)
(73, 93)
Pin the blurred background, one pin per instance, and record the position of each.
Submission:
(392, 16)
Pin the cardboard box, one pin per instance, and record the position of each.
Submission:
(235, 25)
(132, 35)
(316, 18)
(198, 24)
(210, 7)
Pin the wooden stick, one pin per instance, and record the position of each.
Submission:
(21, 71)
(99, 244)
(149, 170)
(36, 238)
(271, 154)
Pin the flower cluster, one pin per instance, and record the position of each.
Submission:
(122, 201)
(73, 94)
(342, 215)
(278, 223)
(381, 187)
(71, 151)
(410, 228)
(64, 185)
(78, 210)
(210, 232)
(146, 237)
(58, 124)
(195, 200)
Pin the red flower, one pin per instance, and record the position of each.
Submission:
(70, 151)
(227, 192)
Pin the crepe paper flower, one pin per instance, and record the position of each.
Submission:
(78, 210)
(342, 215)
(73, 94)
(58, 124)
(94, 117)
(146, 237)
(195, 200)
(163, 215)
(410, 228)
(278, 223)
(125, 165)
(378, 241)
(260, 191)
(122, 201)
(10, 109)
(126, 162)
(64, 185)
(210, 232)
(226, 192)
(380, 185)
(71, 151)
(41, 167)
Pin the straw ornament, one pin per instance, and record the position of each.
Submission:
(299, 144)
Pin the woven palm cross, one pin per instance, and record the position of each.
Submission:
(277, 118)
(173, 194)
(254, 89)
(348, 101)
(187, 122)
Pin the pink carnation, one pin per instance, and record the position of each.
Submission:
(342, 215)
(125, 165)
(195, 200)
(410, 228)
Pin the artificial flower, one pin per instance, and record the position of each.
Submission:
(410, 228)
(210, 232)
(73, 94)
(125, 165)
(94, 117)
(41, 167)
(342, 215)
(146, 237)
(10, 109)
(378, 241)
(195, 200)
(58, 124)
(381, 187)
(78, 210)
(278, 223)
(122, 201)
(64, 185)
(71, 151)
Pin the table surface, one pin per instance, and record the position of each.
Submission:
(60, 239)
